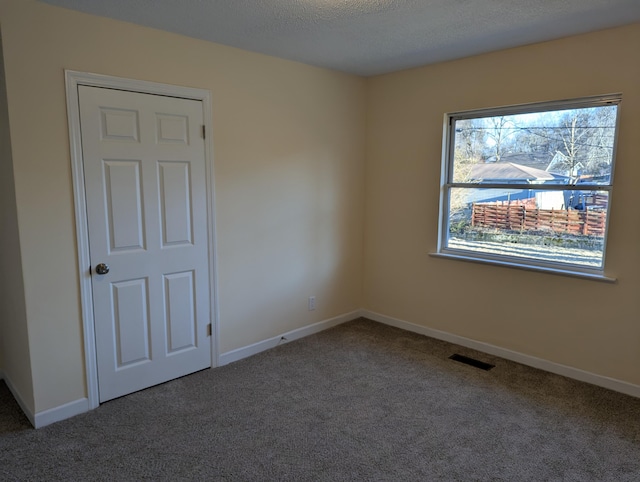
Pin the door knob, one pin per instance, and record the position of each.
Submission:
(102, 268)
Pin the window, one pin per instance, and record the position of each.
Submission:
(530, 185)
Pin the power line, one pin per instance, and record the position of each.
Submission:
(557, 139)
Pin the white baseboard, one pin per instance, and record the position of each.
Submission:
(56, 414)
(50, 416)
(79, 406)
(532, 361)
(255, 348)
(18, 397)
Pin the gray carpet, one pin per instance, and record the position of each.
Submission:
(361, 401)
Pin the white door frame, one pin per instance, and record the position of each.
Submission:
(72, 80)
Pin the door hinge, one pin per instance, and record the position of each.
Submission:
(204, 132)
(209, 329)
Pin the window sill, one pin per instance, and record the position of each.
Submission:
(543, 269)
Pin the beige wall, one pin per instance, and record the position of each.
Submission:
(14, 343)
(589, 325)
(288, 154)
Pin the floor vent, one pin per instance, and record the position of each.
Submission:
(471, 361)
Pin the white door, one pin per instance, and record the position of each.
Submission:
(144, 168)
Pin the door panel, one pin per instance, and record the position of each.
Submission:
(172, 129)
(119, 124)
(180, 299)
(175, 203)
(123, 200)
(144, 167)
(131, 322)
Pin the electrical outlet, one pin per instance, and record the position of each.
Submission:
(312, 303)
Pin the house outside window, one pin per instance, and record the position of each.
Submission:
(530, 185)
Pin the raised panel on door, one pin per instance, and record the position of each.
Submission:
(175, 202)
(180, 311)
(119, 125)
(172, 129)
(124, 204)
(131, 323)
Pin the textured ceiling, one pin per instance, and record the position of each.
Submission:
(368, 37)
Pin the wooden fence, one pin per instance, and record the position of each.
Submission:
(522, 217)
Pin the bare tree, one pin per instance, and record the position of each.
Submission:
(500, 129)
(470, 141)
(587, 141)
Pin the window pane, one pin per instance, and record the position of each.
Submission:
(551, 226)
(568, 146)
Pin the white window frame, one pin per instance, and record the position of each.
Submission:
(446, 184)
